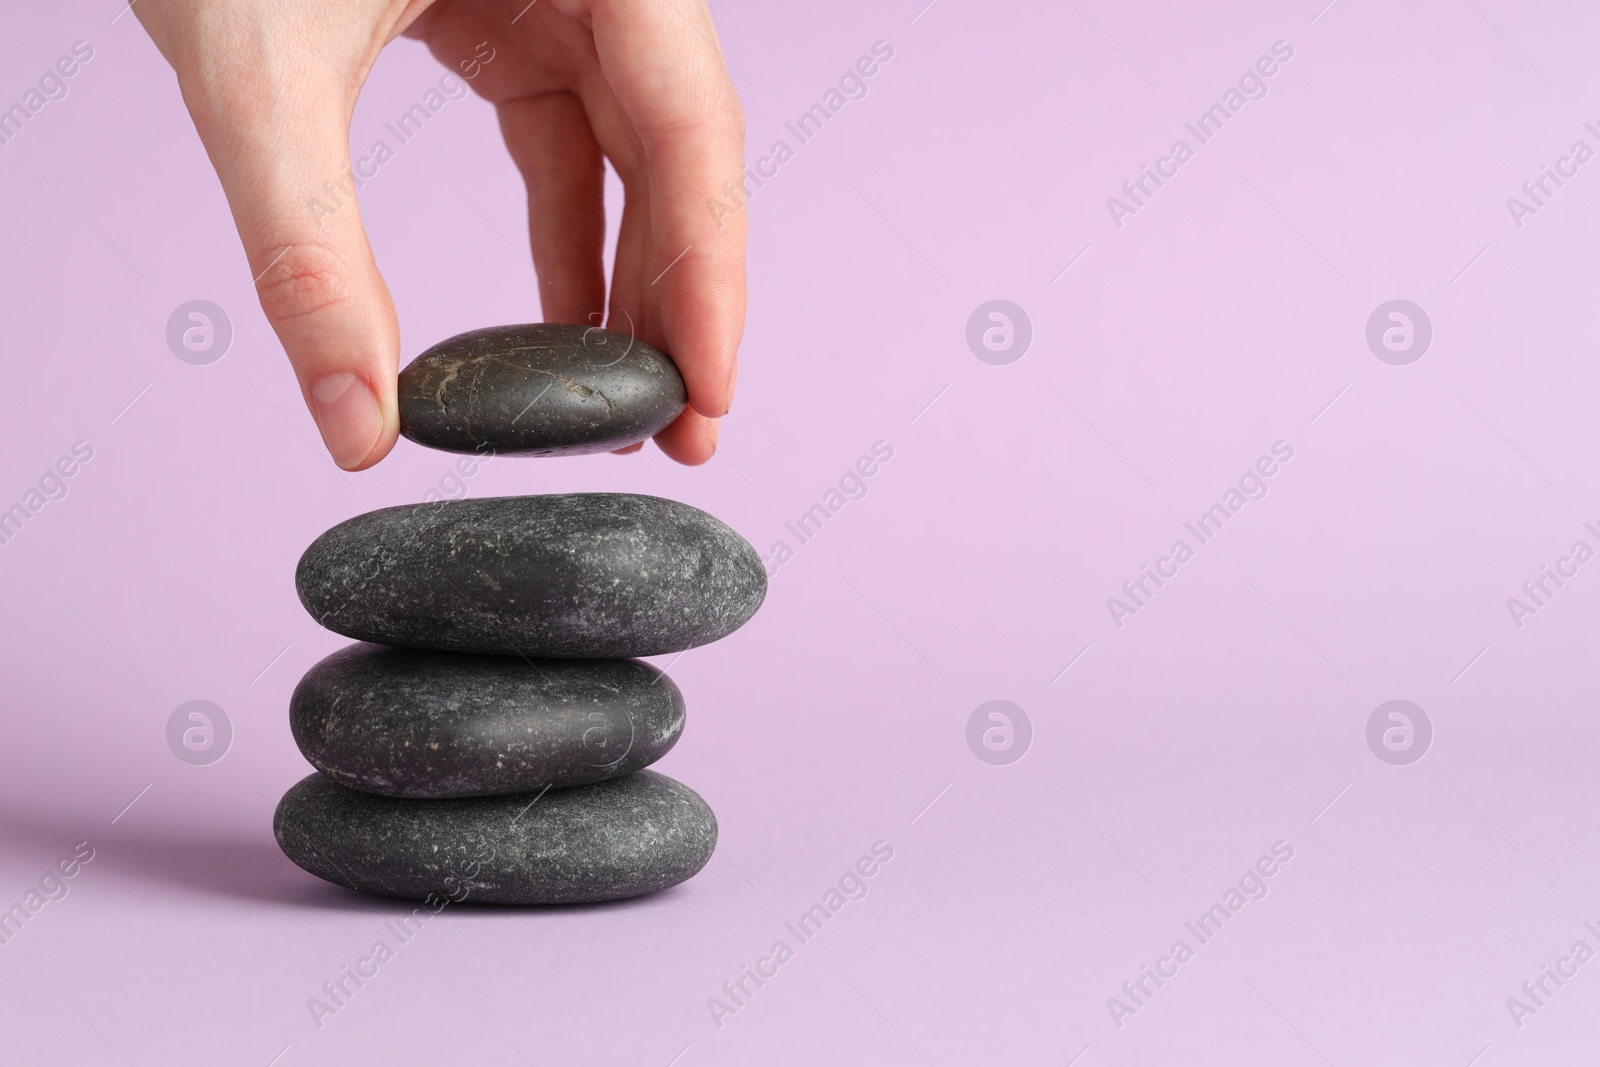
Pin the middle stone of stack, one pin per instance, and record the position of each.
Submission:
(409, 723)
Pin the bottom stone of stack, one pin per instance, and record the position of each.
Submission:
(615, 839)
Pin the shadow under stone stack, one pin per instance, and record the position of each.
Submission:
(487, 741)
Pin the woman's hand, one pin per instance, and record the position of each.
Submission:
(271, 85)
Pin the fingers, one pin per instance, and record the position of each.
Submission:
(276, 126)
(662, 64)
(550, 140)
(691, 440)
(551, 143)
(632, 308)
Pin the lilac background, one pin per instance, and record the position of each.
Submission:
(1225, 716)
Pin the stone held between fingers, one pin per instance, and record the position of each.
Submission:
(540, 389)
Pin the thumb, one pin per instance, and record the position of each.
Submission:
(284, 160)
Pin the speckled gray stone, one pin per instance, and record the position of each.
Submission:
(538, 390)
(586, 575)
(606, 841)
(407, 723)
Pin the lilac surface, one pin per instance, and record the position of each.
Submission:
(1229, 713)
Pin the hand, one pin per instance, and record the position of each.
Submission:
(271, 85)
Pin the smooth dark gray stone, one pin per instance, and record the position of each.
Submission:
(408, 723)
(606, 841)
(538, 390)
(586, 575)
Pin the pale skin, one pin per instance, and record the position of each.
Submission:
(272, 84)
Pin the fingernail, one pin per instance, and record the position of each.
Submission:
(733, 382)
(348, 415)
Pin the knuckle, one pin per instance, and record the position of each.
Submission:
(302, 280)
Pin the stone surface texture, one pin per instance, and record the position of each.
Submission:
(410, 723)
(607, 841)
(538, 390)
(587, 575)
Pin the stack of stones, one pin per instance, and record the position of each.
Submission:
(488, 739)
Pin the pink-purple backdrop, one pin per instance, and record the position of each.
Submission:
(1227, 312)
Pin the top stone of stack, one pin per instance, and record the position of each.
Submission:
(544, 389)
(584, 575)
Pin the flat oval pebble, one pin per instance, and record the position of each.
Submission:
(606, 841)
(409, 723)
(585, 575)
(543, 389)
